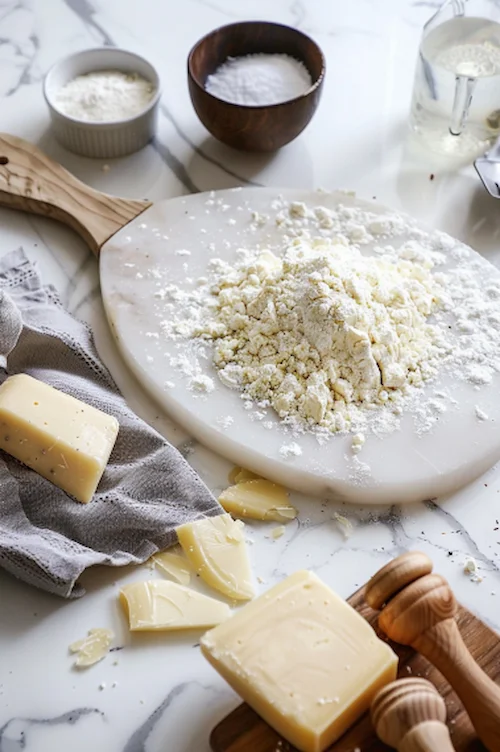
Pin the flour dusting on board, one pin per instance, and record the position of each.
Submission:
(334, 340)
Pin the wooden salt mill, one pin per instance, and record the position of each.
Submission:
(418, 609)
(409, 715)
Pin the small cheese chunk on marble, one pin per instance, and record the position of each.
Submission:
(303, 659)
(216, 548)
(92, 648)
(258, 500)
(163, 605)
(174, 565)
(240, 474)
(61, 438)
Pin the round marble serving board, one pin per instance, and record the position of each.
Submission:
(399, 467)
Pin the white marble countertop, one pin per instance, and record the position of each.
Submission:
(160, 695)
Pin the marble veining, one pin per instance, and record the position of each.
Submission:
(155, 693)
(17, 733)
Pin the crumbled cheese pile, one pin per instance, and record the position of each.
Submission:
(323, 329)
(332, 339)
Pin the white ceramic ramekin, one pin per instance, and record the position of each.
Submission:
(102, 139)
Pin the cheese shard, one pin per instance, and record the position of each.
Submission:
(244, 475)
(258, 499)
(164, 605)
(303, 659)
(61, 438)
(278, 532)
(92, 648)
(216, 548)
(173, 564)
(240, 475)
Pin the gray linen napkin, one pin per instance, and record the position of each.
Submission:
(46, 538)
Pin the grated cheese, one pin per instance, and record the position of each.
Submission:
(323, 330)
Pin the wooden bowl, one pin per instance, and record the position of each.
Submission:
(249, 128)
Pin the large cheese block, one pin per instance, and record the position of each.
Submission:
(303, 659)
(63, 439)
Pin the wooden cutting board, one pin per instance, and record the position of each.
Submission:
(244, 731)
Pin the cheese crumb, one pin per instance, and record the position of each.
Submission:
(344, 525)
(277, 532)
(357, 442)
(471, 568)
(93, 648)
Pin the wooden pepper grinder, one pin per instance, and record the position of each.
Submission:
(418, 609)
(410, 715)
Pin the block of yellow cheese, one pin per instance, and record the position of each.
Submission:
(303, 659)
(63, 439)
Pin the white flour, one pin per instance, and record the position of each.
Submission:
(324, 330)
(259, 79)
(480, 414)
(290, 450)
(336, 341)
(106, 95)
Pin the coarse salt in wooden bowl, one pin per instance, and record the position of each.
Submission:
(260, 128)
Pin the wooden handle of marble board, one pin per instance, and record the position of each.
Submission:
(32, 182)
(410, 715)
(419, 609)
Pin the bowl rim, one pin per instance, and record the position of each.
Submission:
(226, 27)
(96, 124)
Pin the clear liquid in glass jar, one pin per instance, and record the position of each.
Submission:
(456, 97)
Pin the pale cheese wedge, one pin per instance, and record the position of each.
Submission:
(174, 565)
(258, 500)
(217, 550)
(164, 605)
